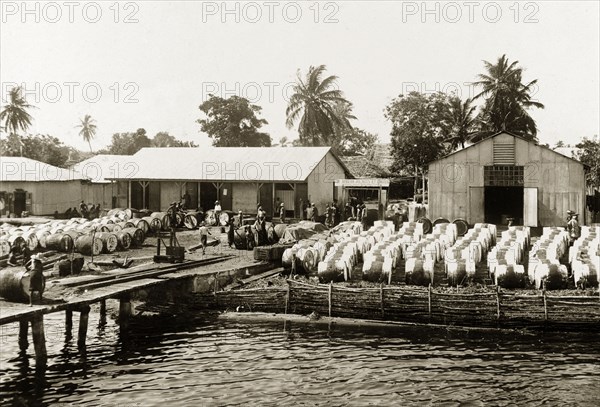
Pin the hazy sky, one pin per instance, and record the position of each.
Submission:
(163, 58)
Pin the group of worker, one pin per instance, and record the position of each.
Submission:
(92, 212)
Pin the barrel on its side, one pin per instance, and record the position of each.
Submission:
(61, 242)
(87, 245)
(14, 284)
(137, 236)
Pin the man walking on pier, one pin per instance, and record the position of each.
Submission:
(204, 232)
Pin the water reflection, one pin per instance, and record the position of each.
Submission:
(196, 359)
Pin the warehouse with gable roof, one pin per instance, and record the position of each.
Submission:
(239, 177)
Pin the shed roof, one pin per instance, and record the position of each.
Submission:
(510, 134)
(27, 170)
(102, 167)
(285, 164)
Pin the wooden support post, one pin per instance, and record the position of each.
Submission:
(23, 331)
(381, 300)
(84, 314)
(68, 322)
(125, 311)
(102, 320)
(545, 302)
(498, 303)
(39, 339)
(429, 300)
(287, 297)
(215, 289)
(329, 297)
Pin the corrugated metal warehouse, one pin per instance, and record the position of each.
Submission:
(506, 176)
(239, 177)
(100, 189)
(37, 187)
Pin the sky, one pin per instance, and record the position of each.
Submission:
(150, 64)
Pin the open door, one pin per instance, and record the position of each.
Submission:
(530, 207)
(476, 205)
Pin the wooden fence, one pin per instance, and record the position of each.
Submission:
(417, 304)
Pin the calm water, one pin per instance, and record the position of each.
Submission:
(199, 360)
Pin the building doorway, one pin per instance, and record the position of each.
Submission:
(502, 203)
(20, 202)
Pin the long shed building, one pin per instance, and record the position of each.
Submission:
(506, 176)
(239, 177)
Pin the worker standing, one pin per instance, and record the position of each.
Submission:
(314, 212)
(282, 213)
(36, 279)
(573, 228)
(204, 232)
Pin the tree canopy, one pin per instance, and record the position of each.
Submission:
(88, 129)
(589, 154)
(41, 147)
(233, 122)
(132, 142)
(14, 114)
(507, 100)
(318, 107)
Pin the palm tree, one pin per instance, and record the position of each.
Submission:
(88, 129)
(460, 122)
(15, 115)
(314, 103)
(507, 99)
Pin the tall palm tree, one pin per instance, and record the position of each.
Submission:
(460, 122)
(15, 115)
(507, 99)
(313, 104)
(88, 129)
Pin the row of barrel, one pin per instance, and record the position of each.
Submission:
(584, 257)
(117, 230)
(505, 260)
(545, 268)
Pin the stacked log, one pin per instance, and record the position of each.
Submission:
(584, 257)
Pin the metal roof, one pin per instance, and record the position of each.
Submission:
(104, 167)
(255, 164)
(27, 170)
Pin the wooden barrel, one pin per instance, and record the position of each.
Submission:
(14, 284)
(280, 230)
(225, 216)
(87, 245)
(61, 242)
(154, 224)
(140, 224)
(109, 241)
(418, 272)
(165, 222)
(31, 240)
(427, 225)
(461, 226)
(510, 276)
(4, 247)
(137, 236)
(15, 240)
(42, 235)
(210, 218)
(106, 221)
(124, 240)
(192, 220)
(111, 227)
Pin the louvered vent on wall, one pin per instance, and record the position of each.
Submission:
(504, 153)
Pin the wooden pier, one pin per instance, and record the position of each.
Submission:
(83, 291)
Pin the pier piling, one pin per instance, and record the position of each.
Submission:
(125, 311)
(23, 331)
(68, 322)
(84, 314)
(39, 339)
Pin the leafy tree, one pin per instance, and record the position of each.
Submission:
(88, 129)
(318, 107)
(129, 143)
(14, 114)
(44, 148)
(507, 100)
(559, 144)
(459, 122)
(164, 139)
(418, 129)
(233, 122)
(355, 142)
(589, 154)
